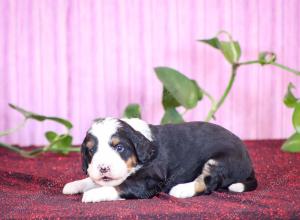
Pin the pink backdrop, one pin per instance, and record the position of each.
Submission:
(85, 59)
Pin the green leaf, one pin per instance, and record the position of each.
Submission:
(62, 121)
(31, 115)
(214, 42)
(289, 99)
(292, 144)
(62, 144)
(168, 100)
(51, 136)
(231, 51)
(171, 116)
(266, 58)
(179, 86)
(66, 141)
(199, 90)
(296, 117)
(132, 111)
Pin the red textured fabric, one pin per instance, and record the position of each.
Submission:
(31, 188)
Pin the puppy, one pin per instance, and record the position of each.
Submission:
(129, 159)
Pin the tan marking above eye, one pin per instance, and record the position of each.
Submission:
(90, 143)
(115, 141)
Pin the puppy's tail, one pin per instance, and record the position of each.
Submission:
(247, 185)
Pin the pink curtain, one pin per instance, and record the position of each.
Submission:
(86, 59)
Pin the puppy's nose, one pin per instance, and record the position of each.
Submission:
(104, 169)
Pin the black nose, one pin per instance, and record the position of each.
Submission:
(104, 169)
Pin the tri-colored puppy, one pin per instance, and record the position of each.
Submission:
(129, 159)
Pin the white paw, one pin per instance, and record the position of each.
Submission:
(185, 190)
(100, 194)
(72, 188)
(237, 187)
(90, 196)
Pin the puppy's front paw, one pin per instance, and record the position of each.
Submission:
(106, 193)
(90, 196)
(185, 190)
(72, 188)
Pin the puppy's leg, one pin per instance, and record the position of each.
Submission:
(105, 193)
(184, 190)
(206, 182)
(79, 186)
(248, 184)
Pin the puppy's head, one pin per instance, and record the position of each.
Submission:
(114, 149)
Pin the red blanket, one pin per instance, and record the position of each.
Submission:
(31, 188)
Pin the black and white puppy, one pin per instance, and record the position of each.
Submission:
(129, 159)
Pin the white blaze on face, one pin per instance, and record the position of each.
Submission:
(106, 156)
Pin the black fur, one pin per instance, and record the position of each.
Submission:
(145, 150)
(177, 155)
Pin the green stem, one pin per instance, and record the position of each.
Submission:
(274, 64)
(217, 105)
(74, 149)
(36, 152)
(286, 68)
(211, 113)
(10, 147)
(213, 105)
(226, 33)
(15, 149)
(12, 130)
(249, 62)
(212, 100)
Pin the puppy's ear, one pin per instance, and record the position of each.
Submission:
(145, 149)
(84, 158)
(88, 148)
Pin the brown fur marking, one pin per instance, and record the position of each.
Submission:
(115, 141)
(131, 162)
(199, 182)
(90, 143)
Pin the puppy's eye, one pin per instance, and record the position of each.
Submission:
(119, 148)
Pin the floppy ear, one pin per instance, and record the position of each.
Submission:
(90, 142)
(84, 158)
(144, 148)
